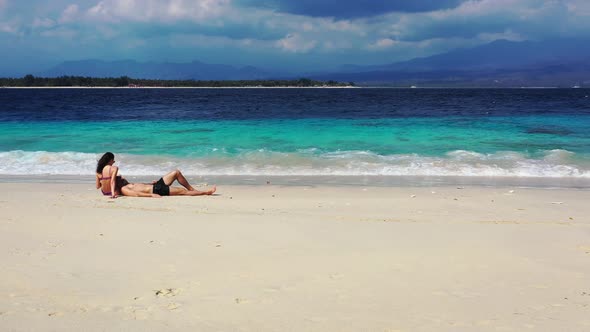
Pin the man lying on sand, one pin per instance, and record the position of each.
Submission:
(162, 187)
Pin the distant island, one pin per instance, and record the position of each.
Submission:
(124, 81)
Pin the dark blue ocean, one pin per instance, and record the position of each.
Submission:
(532, 133)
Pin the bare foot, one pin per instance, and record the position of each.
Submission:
(211, 191)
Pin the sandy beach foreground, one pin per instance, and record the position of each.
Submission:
(295, 258)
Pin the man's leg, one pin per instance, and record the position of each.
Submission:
(177, 175)
(177, 191)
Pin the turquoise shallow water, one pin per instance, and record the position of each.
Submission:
(491, 146)
(361, 132)
(424, 136)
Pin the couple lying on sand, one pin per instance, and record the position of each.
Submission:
(113, 185)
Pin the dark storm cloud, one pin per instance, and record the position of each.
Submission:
(351, 9)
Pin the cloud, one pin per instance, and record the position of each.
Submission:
(8, 28)
(506, 35)
(525, 19)
(60, 32)
(158, 10)
(69, 14)
(296, 43)
(320, 32)
(481, 20)
(40, 22)
(579, 7)
(342, 9)
(205, 41)
(223, 20)
(383, 43)
(336, 45)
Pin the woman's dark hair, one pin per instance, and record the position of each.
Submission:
(103, 161)
(120, 182)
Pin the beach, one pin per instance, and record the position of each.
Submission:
(357, 166)
(269, 257)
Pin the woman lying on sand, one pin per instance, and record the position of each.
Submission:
(112, 185)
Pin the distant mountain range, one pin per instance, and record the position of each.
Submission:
(500, 63)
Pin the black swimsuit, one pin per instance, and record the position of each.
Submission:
(161, 188)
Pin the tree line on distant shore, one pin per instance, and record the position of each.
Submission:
(124, 81)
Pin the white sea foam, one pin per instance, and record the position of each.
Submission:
(553, 163)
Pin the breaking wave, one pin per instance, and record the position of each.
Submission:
(551, 163)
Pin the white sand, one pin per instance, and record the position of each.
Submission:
(270, 258)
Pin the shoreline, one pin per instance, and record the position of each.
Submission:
(305, 87)
(334, 181)
(315, 258)
(179, 87)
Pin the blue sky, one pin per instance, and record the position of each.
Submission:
(296, 35)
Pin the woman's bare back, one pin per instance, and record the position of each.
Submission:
(105, 178)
